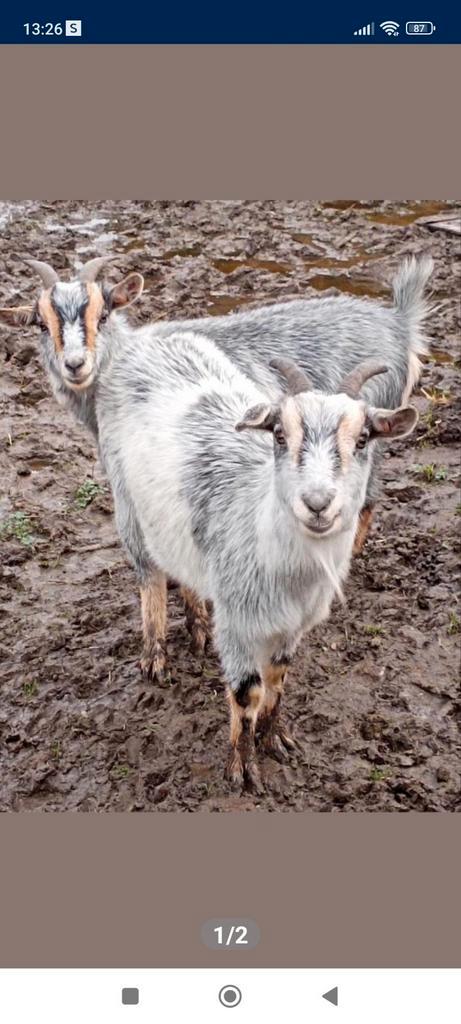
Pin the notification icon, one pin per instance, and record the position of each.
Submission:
(73, 28)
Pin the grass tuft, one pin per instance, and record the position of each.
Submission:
(30, 689)
(19, 526)
(431, 473)
(380, 774)
(454, 624)
(372, 630)
(87, 492)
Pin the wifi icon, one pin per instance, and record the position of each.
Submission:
(391, 28)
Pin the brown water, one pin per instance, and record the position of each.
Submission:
(222, 304)
(425, 208)
(338, 263)
(438, 355)
(351, 285)
(340, 204)
(136, 245)
(304, 239)
(186, 250)
(272, 266)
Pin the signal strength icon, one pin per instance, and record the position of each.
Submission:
(391, 28)
(366, 30)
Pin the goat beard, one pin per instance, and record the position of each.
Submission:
(330, 572)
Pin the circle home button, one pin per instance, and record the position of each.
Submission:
(230, 996)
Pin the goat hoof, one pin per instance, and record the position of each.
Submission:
(153, 664)
(288, 741)
(273, 746)
(153, 673)
(278, 743)
(254, 778)
(234, 771)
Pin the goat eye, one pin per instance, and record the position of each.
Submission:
(363, 439)
(104, 316)
(279, 437)
(43, 326)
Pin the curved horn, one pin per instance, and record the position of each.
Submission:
(47, 274)
(91, 270)
(353, 382)
(296, 379)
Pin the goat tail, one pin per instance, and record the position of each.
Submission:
(412, 308)
(409, 302)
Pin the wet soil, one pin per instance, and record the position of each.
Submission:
(373, 696)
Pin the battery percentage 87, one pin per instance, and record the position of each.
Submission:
(419, 28)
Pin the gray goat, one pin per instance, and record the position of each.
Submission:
(84, 331)
(251, 503)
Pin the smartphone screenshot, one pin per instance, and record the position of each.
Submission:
(230, 617)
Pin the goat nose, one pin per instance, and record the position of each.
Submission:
(74, 364)
(318, 501)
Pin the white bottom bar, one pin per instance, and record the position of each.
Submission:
(192, 996)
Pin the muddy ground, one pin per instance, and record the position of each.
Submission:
(373, 696)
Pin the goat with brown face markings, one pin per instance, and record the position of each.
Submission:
(79, 332)
(316, 439)
(251, 502)
(72, 316)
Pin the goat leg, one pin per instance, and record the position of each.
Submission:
(364, 523)
(196, 620)
(273, 735)
(154, 615)
(245, 703)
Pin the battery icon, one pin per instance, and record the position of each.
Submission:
(420, 28)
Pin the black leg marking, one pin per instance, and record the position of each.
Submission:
(242, 694)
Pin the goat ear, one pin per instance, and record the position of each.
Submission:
(387, 424)
(126, 291)
(259, 417)
(17, 316)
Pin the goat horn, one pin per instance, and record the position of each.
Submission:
(296, 379)
(353, 382)
(47, 274)
(91, 270)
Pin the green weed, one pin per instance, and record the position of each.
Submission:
(87, 492)
(19, 526)
(432, 473)
(454, 624)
